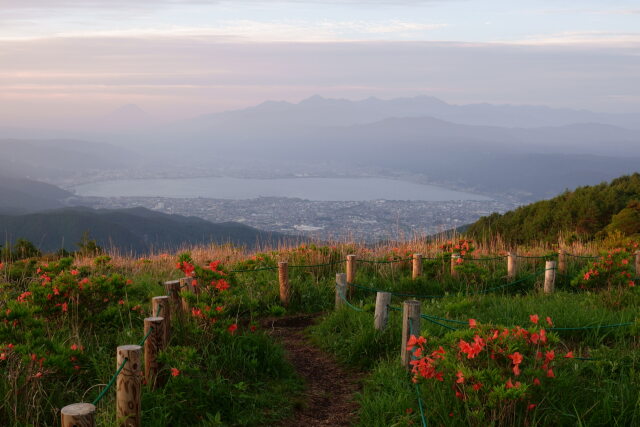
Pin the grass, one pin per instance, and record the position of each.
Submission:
(243, 378)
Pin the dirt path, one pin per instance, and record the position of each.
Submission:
(329, 393)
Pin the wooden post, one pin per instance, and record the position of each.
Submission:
(78, 415)
(549, 277)
(562, 261)
(410, 326)
(341, 289)
(351, 272)
(638, 264)
(417, 266)
(155, 327)
(512, 266)
(454, 263)
(285, 287)
(173, 290)
(160, 308)
(128, 386)
(381, 316)
(185, 285)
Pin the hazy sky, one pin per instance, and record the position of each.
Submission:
(62, 61)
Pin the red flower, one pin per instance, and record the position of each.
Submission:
(214, 265)
(549, 321)
(75, 272)
(536, 381)
(531, 406)
(472, 323)
(460, 376)
(232, 329)
(477, 386)
(569, 355)
(64, 307)
(550, 373)
(175, 372)
(534, 318)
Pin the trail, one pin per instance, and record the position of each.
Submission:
(329, 394)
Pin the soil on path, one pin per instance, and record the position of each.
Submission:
(329, 394)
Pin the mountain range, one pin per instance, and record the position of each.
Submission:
(521, 152)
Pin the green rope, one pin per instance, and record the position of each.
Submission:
(146, 336)
(537, 257)
(110, 383)
(444, 319)
(392, 308)
(347, 302)
(399, 294)
(254, 270)
(318, 265)
(483, 259)
(582, 256)
(386, 261)
(438, 323)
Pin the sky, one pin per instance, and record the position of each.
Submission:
(63, 62)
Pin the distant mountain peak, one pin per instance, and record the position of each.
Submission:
(128, 110)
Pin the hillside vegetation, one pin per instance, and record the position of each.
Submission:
(537, 354)
(136, 229)
(586, 213)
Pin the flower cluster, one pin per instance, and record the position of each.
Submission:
(612, 269)
(489, 367)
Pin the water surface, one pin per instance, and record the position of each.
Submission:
(318, 189)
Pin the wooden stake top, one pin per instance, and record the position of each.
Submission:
(76, 409)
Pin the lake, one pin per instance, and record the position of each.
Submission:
(317, 189)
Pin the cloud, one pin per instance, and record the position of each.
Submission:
(174, 76)
(252, 30)
(587, 38)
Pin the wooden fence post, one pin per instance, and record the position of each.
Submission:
(637, 263)
(549, 277)
(155, 327)
(341, 289)
(78, 415)
(381, 316)
(173, 291)
(410, 326)
(454, 263)
(285, 287)
(160, 308)
(512, 266)
(562, 261)
(185, 285)
(128, 386)
(417, 266)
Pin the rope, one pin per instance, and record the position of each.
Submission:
(582, 256)
(347, 302)
(398, 294)
(387, 261)
(110, 383)
(318, 265)
(394, 293)
(537, 257)
(438, 323)
(483, 259)
(254, 270)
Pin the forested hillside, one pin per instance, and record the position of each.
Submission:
(137, 229)
(586, 213)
